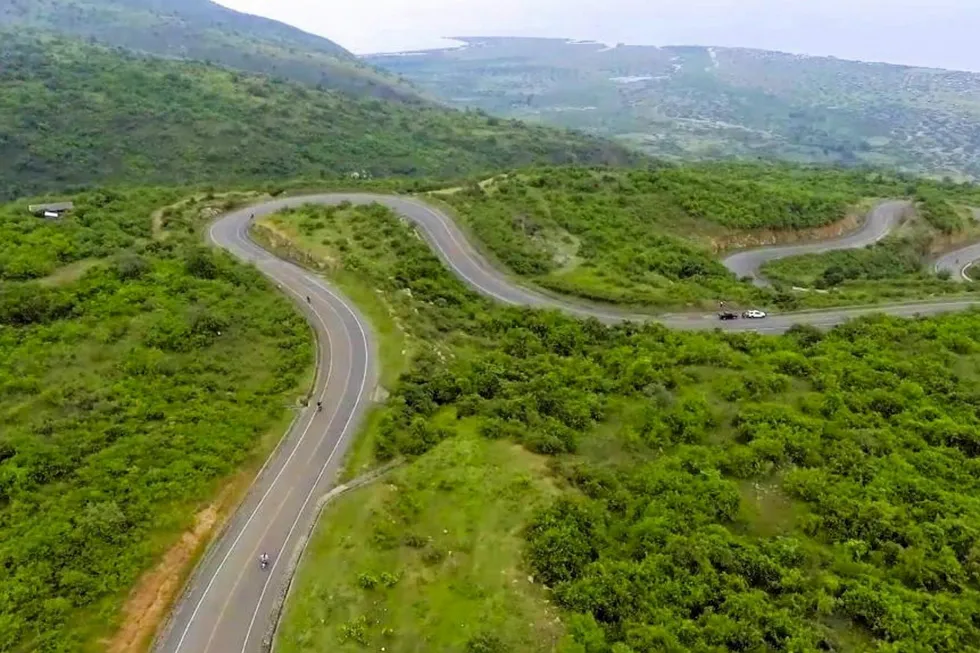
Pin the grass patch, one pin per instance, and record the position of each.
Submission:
(69, 274)
(430, 560)
(362, 457)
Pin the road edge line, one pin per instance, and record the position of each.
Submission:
(209, 551)
(299, 551)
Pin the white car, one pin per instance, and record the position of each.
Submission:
(754, 314)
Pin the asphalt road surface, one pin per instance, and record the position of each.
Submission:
(879, 223)
(230, 603)
(958, 263)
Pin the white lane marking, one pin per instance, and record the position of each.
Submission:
(452, 264)
(444, 222)
(241, 575)
(275, 481)
(323, 469)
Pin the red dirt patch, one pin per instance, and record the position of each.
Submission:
(152, 597)
(765, 237)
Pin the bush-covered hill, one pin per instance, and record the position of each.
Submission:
(205, 31)
(706, 102)
(655, 236)
(706, 491)
(78, 114)
(137, 374)
(904, 258)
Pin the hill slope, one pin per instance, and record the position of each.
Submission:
(202, 30)
(702, 491)
(77, 114)
(162, 353)
(710, 102)
(657, 237)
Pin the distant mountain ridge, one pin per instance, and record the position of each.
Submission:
(205, 31)
(73, 113)
(714, 102)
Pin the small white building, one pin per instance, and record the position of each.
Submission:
(55, 210)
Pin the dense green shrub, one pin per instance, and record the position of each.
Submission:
(938, 211)
(719, 491)
(655, 236)
(73, 114)
(127, 390)
(892, 259)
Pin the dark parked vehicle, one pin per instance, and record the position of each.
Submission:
(728, 315)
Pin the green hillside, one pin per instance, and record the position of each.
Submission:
(73, 114)
(139, 372)
(205, 31)
(673, 491)
(656, 237)
(708, 102)
(563, 485)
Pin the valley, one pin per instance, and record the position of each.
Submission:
(317, 459)
(450, 315)
(686, 103)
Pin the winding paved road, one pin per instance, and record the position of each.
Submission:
(229, 603)
(957, 263)
(879, 223)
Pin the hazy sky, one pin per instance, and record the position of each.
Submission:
(940, 33)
